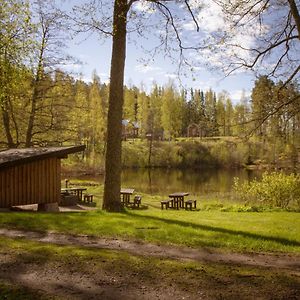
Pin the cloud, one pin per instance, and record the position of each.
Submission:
(225, 42)
(236, 95)
(143, 68)
(211, 19)
(198, 68)
(83, 56)
(86, 79)
(189, 26)
(143, 6)
(103, 75)
(71, 67)
(171, 76)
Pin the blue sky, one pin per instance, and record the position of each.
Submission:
(95, 54)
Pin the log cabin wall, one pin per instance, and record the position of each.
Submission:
(31, 183)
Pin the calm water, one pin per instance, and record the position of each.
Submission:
(197, 182)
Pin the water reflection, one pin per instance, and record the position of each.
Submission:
(206, 182)
(198, 182)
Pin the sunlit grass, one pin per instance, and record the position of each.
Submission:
(231, 231)
(216, 223)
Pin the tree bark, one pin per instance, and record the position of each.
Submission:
(34, 99)
(6, 125)
(4, 103)
(112, 184)
(36, 86)
(295, 13)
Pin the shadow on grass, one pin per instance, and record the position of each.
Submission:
(245, 234)
(83, 223)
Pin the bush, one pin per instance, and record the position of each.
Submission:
(274, 189)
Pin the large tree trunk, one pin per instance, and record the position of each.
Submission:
(6, 125)
(31, 120)
(5, 81)
(112, 185)
(36, 86)
(295, 14)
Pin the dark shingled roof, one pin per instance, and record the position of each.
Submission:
(14, 157)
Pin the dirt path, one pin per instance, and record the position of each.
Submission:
(277, 261)
(215, 275)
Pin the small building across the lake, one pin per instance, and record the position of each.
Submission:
(32, 175)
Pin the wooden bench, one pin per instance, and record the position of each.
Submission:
(190, 203)
(68, 199)
(137, 201)
(88, 198)
(165, 203)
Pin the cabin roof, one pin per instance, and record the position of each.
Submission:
(13, 157)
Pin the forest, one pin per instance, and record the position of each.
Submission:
(56, 109)
(44, 105)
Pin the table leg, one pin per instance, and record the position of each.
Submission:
(77, 194)
(126, 198)
(181, 202)
(172, 203)
(177, 202)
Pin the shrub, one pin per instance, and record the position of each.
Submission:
(274, 189)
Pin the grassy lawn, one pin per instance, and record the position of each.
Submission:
(108, 270)
(230, 231)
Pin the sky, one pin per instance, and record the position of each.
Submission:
(95, 55)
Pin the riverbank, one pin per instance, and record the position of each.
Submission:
(193, 153)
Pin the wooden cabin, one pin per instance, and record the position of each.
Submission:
(32, 175)
(193, 130)
(129, 129)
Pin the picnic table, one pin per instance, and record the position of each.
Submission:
(78, 191)
(177, 199)
(126, 193)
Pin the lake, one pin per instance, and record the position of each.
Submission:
(207, 182)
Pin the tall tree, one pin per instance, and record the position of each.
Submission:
(229, 116)
(144, 115)
(15, 31)
(221, 114)
(155, 104)
(211, 112)
(98, 115)
(47, 54)
(112, 186)
(241, 116)
(262, 98)
(130, 104)
(164, 9)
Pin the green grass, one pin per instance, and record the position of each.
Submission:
(230, 231)
(218, 224)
